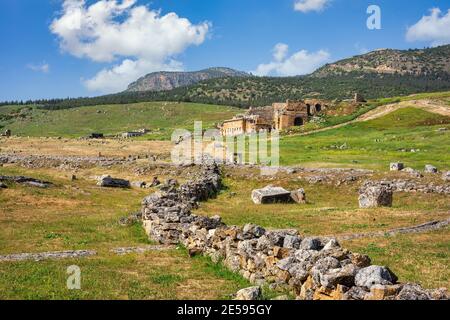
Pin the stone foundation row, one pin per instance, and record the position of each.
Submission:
(312, 268)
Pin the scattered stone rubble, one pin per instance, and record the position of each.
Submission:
(47, 255)
(312, 268)
(26, 181)
(400, 185)
(62, 162)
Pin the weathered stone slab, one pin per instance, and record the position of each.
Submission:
(271, 194)
(109, 182)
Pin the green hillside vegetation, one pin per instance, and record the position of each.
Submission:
(160, 117)
(409, 135)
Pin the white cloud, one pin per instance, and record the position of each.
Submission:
(310, 5)
(109, 30)
(280, 51)
(42, 67)
(434, 28)
(300, 63)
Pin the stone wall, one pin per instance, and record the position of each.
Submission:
(312, 267)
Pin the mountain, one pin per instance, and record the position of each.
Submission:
(417, 62)
(163, 81)
(381, 73)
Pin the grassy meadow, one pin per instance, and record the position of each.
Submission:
(79, 215)
(409, 135)
(160, 117)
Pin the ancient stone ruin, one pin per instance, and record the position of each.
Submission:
(109, 182)
(271, 194)
(375, 194)
(312, 268)
(278, 116)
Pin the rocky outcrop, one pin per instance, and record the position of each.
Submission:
(312, 268)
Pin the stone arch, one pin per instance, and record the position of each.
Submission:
(318, 107)
(308, 109)
(298, 121)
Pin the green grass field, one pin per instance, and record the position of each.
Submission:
(161, 117)
(375, 143)
(82, 216)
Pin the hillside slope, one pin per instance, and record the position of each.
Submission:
(418, 62)
(161, 81)
(159, 117)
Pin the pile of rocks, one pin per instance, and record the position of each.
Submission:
(312, 268)
(61, 162)
(400, 185)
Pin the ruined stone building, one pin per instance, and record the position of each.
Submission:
(278, 116)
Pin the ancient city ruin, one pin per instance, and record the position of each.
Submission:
(278, 116)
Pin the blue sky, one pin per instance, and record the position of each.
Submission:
(41, 57)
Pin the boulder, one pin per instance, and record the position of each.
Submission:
(292, 242)
(396, 166)
(373, 275)
(381, 292)
(271, 194)
(375, 195)
(299, 196)
(311, 243)
(413, 292)
(344, 276)
(430, 169)
(253, 231)
(109, 182)
(252, 293)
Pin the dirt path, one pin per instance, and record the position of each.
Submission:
(427, 105)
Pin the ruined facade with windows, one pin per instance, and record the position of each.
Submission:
(278, 116)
